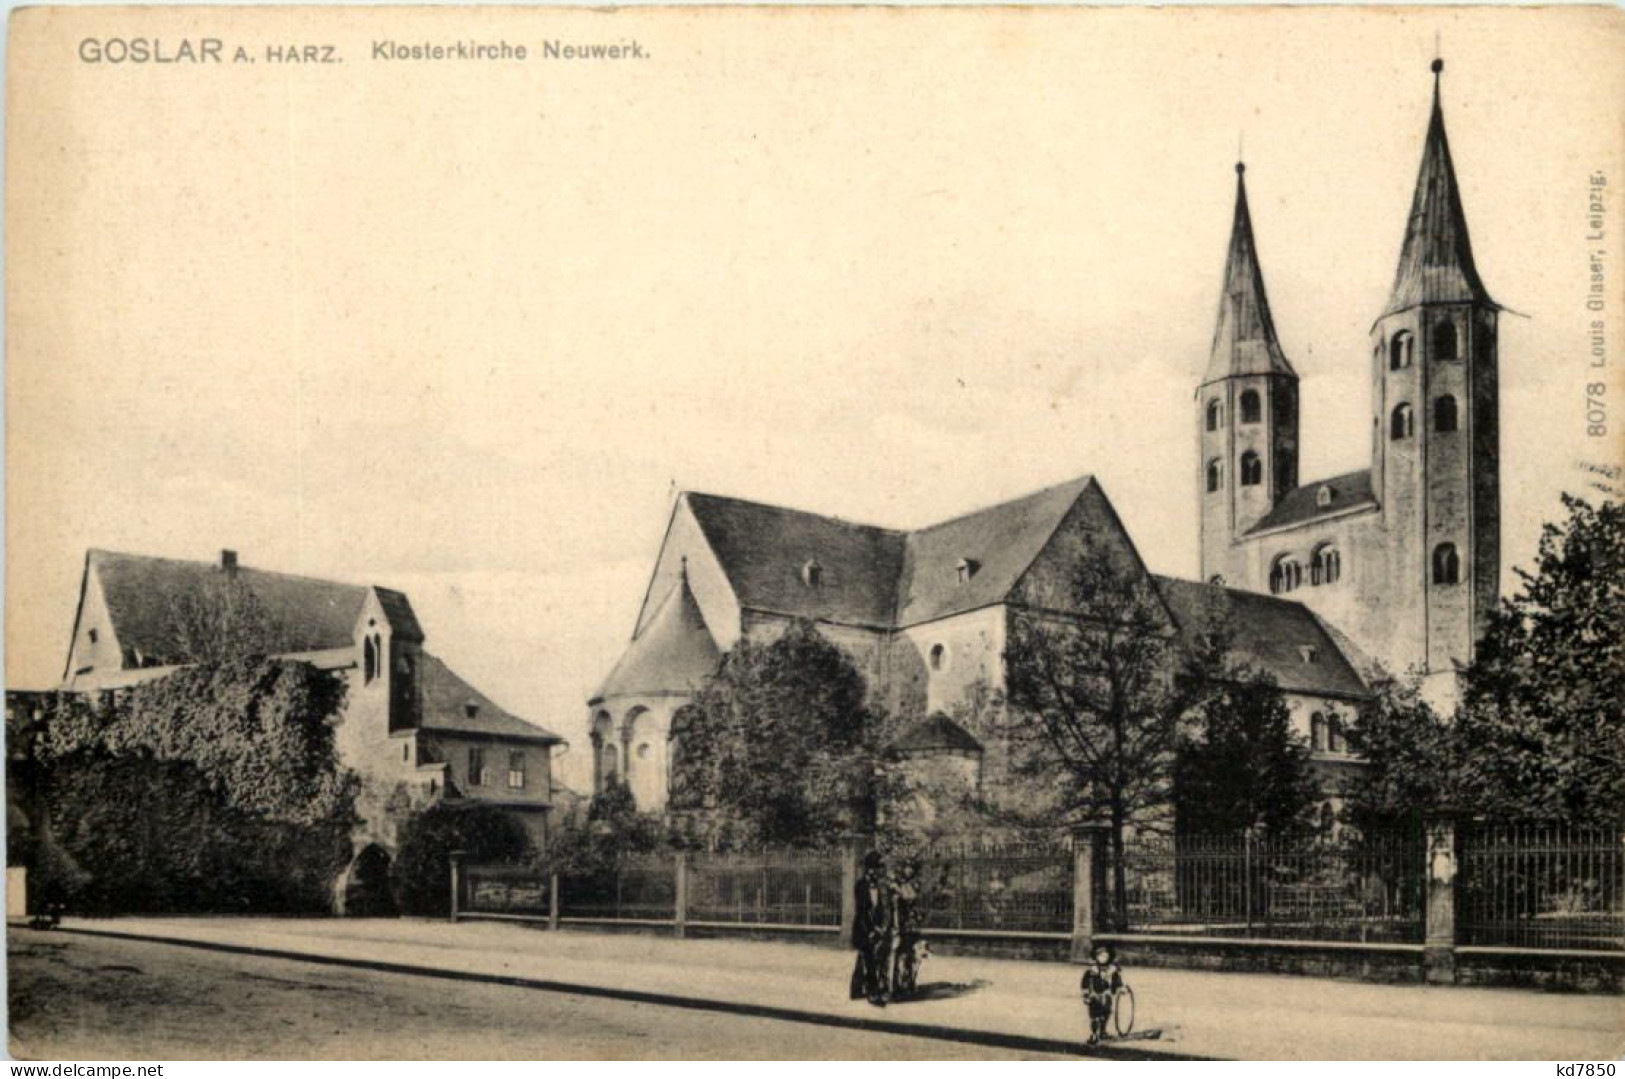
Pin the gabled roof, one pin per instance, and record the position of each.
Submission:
(1436, 258)
(1244, 340)
(999, 543)
(302, 614)
(1302, 503)
(446, 701)
(1268, 634)
(937, 732)
(878, 577)
(675, 650)
(403, 621)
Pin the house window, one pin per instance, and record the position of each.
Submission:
(1444, 340)
(1402, 424)
(1252, 409)
(1399, 351)
(939, 656)
(1334, 734)
(406, 752)
(1326, 565)
(1215, 475)
(1252, 469)
(812, 574)
(476, 767)
(1317, 732)
(516, 771)
(1446, 564)
(1215, 414)
(1444, 413)
(93, 635)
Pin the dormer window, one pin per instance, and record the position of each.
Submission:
(1309, 653)
(812, 574)
(967, 569)
(471, 709)
(1323, 496)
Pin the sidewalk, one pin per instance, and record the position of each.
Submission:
(998, 1002)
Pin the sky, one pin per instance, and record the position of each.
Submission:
(465, 329)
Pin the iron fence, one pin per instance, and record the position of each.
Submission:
(638, 888)
(1367, 888)
(1541, 886)
(1013, 887)
(799, 888)
(506, 889)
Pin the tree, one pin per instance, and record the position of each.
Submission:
(780, 741)
(1542, 718)
(222, 619)
(1411, 756)
(1097, 696)
(1243, 766)
(423, 865)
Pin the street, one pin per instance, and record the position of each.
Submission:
(88, 998)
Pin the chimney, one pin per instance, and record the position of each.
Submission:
(228, 562)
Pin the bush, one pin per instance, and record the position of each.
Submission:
(423, 865)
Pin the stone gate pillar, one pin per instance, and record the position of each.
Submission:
(1439, 941)
(1088, 851)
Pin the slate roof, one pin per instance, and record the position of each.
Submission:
(446, 698)
(936, 731)
(763, 550)
(1244, 339)
(878, 577)
(1436, 258)
(303, 614)
(675, 649)
(1302, 503)
(1267, 633)
(1003, 540)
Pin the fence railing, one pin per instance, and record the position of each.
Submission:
(788, 888)
(1018, 887)
(1541, 886)
(1349, 888)
(1466, 884)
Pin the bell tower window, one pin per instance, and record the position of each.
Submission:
(1402, 424)
(1215, 414)
(1215, 475)
(1252, 469)
(1252, 407)
(1446, 564)
(1399, 351)
(1444, 340)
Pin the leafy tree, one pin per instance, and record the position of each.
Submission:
(779, 740)
(423, 864)
(1542, 719)
(1097, 697)
(1243, 766)
(1411, 758)
(221, 620)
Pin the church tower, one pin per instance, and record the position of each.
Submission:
(1434, 424)
(1246, 407)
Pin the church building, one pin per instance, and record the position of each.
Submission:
(1403, 556)
(1390, 569)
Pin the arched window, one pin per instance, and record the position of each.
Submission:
(1444, 413)
(1286, 574)
(939, 655)
(1446, 564)
(1252, 469)
(1444, 340)
(369, 661)
(812, 574)
(1317, 732)
(1334, 734)
(1402, 424)
(1215, 414)
(1399, 351)
(1252, 409)
(1326, 565)
(1215, 475)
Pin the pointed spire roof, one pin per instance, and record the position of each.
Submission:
(1244, 341)
(1436, 259)
(674, 653)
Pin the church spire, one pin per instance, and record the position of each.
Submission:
(1244, 341)
(1436, 259)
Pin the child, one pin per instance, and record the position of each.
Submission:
(1100, 985)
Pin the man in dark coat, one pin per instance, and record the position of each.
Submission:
(872, 933)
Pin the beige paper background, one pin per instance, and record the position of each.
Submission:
(460, 327)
